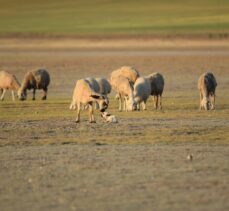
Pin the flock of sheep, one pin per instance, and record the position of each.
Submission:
(131, 89)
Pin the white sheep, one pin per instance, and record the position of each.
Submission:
(84, 95)
(142, 91)
(207, 85)
(8, 81)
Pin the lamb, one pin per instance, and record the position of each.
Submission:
(157, 87)
(142, 91)
(8, 81)
(38, 79)
(85, 95)
(207, 85)
(129, 72)
(124, 88)
(109, 118)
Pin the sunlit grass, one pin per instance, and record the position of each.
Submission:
(114, 17)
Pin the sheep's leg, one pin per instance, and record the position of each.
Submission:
(13, 98)
(91, 114)
(160, 97)
(45, 94)
(213, 102)
(120, 103)
(3, 94)
(138, 106)
(34, 92)
(156, 102)
(124, 104)
(201, 97)
(78, 113)
(143, 105)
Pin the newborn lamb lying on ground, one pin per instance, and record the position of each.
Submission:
(109, 118)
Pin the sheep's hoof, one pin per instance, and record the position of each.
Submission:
(93, 121)
(33, 98)
(77, 121)
(43, 98)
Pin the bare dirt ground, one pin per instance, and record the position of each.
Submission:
(47, 162)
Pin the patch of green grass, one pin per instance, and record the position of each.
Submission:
(114, 17)
(51, 122)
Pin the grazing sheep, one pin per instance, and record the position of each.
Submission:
(142, 91)
(8, 81)
(129, 72)
(124, 88)
(85, 95)
(157, 87)
(109, 118)
(38, 79)
(207, 85)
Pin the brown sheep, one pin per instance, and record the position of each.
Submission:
(157, 87)
(207, 85)
(38, 79)
(8, 81)
(85, 95)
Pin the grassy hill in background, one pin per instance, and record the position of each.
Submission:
(108, 17)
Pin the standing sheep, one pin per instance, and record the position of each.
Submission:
(157, 87)
(207, 85)
(8, 81)
(124, 88)
(142, 91)
(85, 95)
(38, 79)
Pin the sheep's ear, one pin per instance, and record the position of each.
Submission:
(95, 96)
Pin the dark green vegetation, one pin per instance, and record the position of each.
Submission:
(100, 17)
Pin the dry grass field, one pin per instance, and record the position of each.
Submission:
(48, 162)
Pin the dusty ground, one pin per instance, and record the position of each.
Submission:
(47, 162)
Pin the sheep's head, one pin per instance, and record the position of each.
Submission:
(131, 104)
(21, 94)
(102, 101)
(205, 103)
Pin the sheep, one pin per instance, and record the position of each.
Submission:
(207, 85)
(85, 95)
(37, 79)
(8, 81)
(109, 118)
(129, 72)
(157, 87)
(142, 91)
(124, 88)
